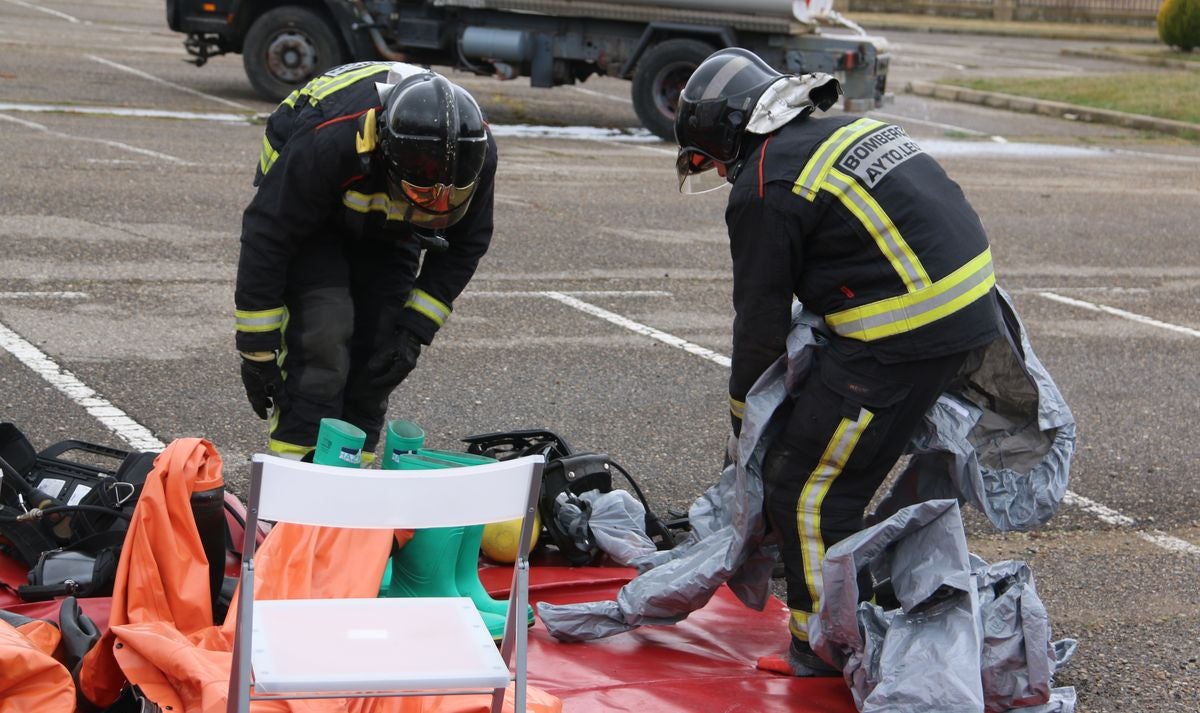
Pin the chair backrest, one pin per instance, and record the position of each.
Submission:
(444, 497)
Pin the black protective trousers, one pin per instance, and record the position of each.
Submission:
(848, 425)
(342, 299)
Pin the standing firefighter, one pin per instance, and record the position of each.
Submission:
(361, 170)
(852, 218)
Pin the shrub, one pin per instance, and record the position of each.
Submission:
(1179, 23)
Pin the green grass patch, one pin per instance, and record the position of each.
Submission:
(1166, 95)
(1156, 54)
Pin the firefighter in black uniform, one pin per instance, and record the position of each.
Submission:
(363, 170)
(852, 218)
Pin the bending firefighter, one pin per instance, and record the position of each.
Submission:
(852, 218)
(362, 170)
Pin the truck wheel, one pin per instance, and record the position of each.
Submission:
(659, 78)
(286, 47)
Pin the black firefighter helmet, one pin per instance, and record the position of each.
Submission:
(714, 108)
(433, 141)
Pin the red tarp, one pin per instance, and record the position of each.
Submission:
(705, 663)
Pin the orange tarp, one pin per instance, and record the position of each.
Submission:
(161, 636)
(30, 678)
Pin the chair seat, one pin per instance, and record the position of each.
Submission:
(361, 645)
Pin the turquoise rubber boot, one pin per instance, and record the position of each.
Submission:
(466, 570)
(339, 443)
(426, 565)
(403, 438)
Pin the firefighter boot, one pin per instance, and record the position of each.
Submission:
(466, 571)
(425, 567)
(466, 575)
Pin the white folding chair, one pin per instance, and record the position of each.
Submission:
(358, 648)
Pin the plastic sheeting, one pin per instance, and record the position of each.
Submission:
(967, 636)
(1001, 440)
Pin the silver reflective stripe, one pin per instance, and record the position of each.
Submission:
(723, 77)
(427, 305)
(260, 321)
(896, 315)
(882, 229)
(364, 203)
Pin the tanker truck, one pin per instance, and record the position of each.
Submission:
(656, 44)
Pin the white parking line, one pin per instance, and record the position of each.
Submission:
(52, 295)
(670, 339)
(1112, 517)
(1096, 307)
(114, 144)
(113, 418)
(47, 10)
(173, 85)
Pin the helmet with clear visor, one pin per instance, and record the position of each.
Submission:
(433, 141)
(714, 109)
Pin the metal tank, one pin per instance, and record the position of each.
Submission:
(798, 9)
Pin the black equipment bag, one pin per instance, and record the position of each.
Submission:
(49, 501)
(568, 473)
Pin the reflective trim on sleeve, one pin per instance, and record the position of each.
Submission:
(437, 311)
(737, 408)
(813, 176)
(904, 313)
(382, 202)
(808, 506)
(267, 320)
(267, 157)
(887, 237)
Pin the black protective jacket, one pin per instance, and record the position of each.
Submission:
(320, 179)
(850, 216)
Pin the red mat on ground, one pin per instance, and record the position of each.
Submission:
(704, 663)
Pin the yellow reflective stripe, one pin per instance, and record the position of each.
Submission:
(267, 157)
(903, 313)
(436, 310)
(288, 450)
(813, 175)
(737, 408)
(887, 237)
(808, 507)
(798, 623)
(382, 202)
(323, 86)
(266, 320)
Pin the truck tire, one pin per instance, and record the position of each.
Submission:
(658, 79)
(286, 47)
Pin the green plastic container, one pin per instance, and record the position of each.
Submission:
(339, 443)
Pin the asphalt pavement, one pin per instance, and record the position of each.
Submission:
(602, 308)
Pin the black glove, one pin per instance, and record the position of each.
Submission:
(395, 359)
(264, 385)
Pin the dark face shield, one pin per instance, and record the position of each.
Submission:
(436, 184)
(697, 172)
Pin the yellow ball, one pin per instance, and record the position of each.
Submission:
(500, 539)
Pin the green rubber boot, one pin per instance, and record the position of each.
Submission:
(403, 438)
(426, 566)
(466, 570)
(339, 443)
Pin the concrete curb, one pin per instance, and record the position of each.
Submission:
(1062, 110)
(1133, 59)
